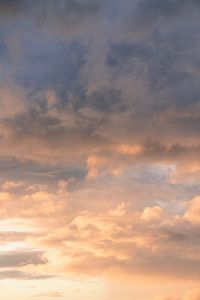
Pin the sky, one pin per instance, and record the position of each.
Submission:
(99, 150)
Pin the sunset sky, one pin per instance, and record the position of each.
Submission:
(99, 149)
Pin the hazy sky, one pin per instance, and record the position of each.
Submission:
(99, 149)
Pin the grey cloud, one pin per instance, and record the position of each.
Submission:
(157, 8)
(12, 6)
(46, 13)
(64, 6)
(21, 258)
(16, 274)
(149, 15)
(32, 173)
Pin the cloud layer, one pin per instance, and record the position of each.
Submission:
(99, 145)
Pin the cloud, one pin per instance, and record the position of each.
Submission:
(67, 6)
(119, 242)
(12, 99)
(192, 213)
(20, 259)
(147, 16)
(152, 213)
(54, 18)
(99, 141)
(20, 275)
(50, 295)
(33, 205)
(83, 118)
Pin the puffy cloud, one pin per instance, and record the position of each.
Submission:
(33, 205)
(9, 185)
(152, 213)
(193, 212)
(119, 242)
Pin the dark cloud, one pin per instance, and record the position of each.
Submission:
(150, 15)
(64, 6)
(12, 6)
(51, 65)
(47, 13)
